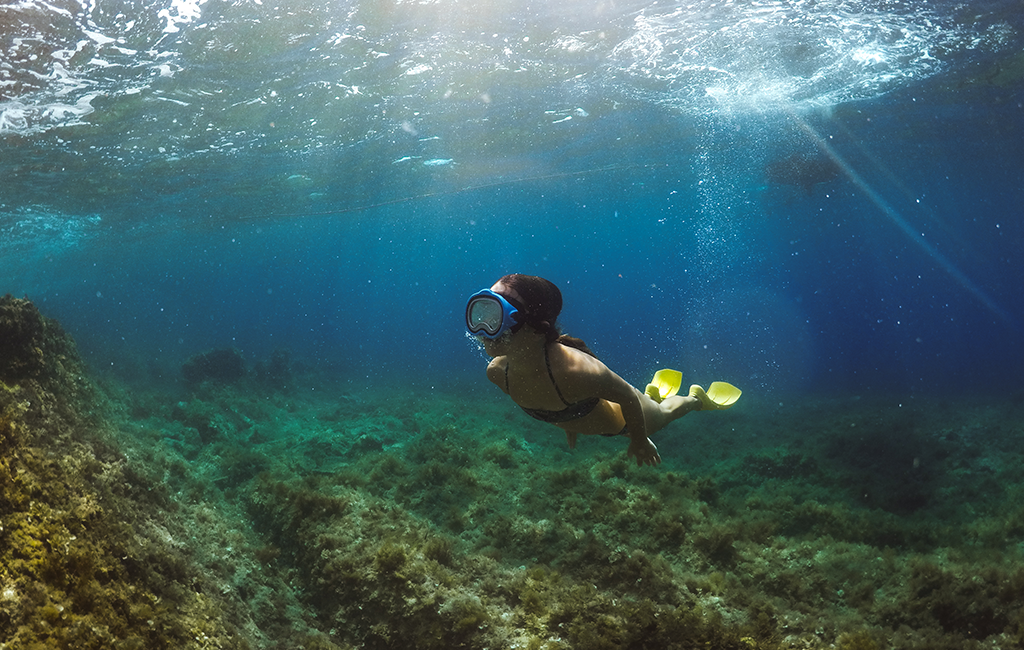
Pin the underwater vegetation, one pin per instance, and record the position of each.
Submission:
(82, 563)
(251, 513)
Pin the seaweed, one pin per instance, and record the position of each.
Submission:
(278, 520)
(76, 572)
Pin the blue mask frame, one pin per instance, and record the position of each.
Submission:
(489, 314)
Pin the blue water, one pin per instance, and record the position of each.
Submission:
(337, 178)
(818, 201)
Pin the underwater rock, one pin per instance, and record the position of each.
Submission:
(86, 559)
(241, 521)
(276, 372)
(21, 334)
(28, 341)
(224, 366)
(37, 354)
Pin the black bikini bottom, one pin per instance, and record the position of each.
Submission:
(623, 432)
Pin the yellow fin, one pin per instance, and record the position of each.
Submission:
(719, 396)
(665, 384)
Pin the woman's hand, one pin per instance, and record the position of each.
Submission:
(644, 451)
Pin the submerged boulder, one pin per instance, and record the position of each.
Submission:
(22, 334)
(275, 372)
(34, 347)
(223, 366)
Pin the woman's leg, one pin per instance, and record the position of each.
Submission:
(658, 416)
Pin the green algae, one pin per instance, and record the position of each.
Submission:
(247, 516)
(75, 570)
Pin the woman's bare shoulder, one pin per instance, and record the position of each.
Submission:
(496, 371)
(576, 360)
(595, 378)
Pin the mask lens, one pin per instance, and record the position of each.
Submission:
(488, 313)
(484, 314)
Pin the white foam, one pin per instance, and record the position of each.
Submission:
(99, 38)
(43, 232)
(418, 69)
(780, 53)
(16, 117)
(181, 12)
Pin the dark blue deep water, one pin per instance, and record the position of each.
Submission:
(336, 178)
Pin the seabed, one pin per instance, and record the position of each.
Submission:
(250, 511)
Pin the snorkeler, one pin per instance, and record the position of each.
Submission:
(555, 378)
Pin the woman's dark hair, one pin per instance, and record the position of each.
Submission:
(542, 303)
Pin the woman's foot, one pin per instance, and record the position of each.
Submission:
(680, 405)
(720, 395)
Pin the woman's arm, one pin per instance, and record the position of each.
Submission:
(640, 445)
(603, 383)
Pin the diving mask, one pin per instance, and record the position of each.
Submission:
(490, 314)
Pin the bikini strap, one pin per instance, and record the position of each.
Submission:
(547, 362)
(551, 375)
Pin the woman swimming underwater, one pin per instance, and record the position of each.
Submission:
(555, 378)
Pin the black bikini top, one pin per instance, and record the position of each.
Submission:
(569, 413)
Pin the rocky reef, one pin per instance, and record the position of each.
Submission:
(35, 348)
(83, 562)
(261, 513)
(224, 366)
